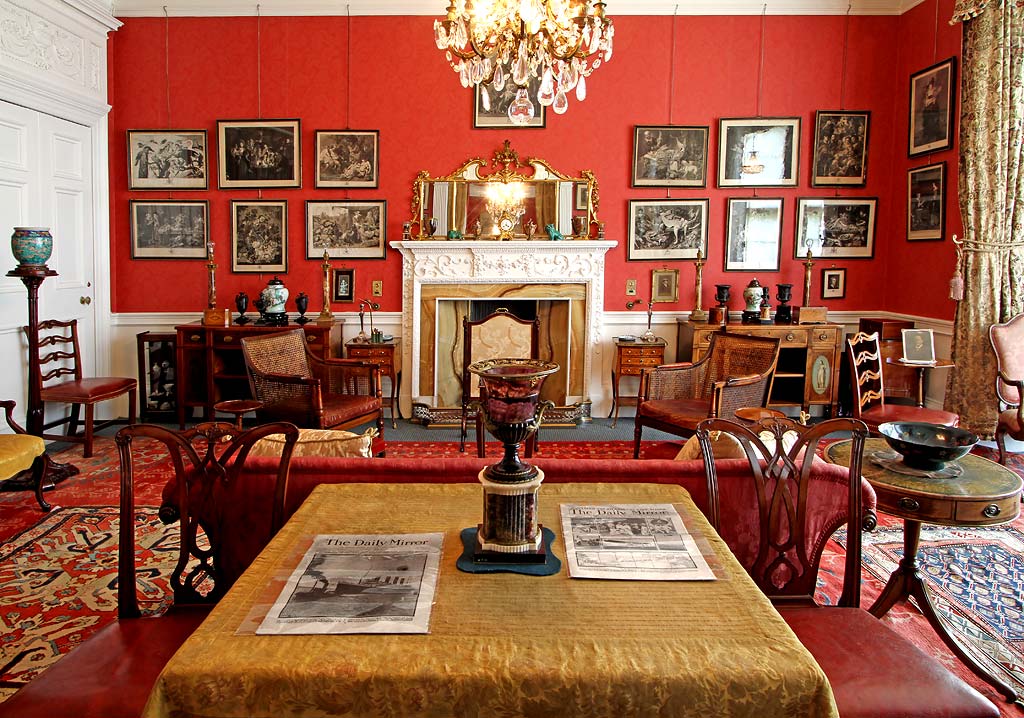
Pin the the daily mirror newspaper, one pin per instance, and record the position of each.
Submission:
(631, 541)
(360, 584)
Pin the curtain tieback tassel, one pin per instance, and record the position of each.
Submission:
(956, 283)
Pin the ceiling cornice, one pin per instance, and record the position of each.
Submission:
(435, 8)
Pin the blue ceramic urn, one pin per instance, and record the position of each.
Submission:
(32, 246)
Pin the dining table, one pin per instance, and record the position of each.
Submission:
(500, 644)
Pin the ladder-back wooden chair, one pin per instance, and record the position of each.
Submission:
(111, 673)
(58, 376)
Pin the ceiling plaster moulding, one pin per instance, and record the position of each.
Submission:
(435, 8)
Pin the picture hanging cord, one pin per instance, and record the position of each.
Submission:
(259, 81)
(167, 72)
(760, 61)
(348, 66)
(846, 47)
(935, 40)
(672, 79)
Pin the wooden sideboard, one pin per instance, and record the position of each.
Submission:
(211, 367)
(809, 359)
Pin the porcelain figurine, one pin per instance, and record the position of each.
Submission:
(553, 233)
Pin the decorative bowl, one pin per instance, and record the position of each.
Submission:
(928, 447)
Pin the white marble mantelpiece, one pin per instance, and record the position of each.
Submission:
(463, 262)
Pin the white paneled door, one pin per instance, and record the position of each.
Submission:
(46, 180)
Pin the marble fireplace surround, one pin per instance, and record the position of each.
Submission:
(435, 271)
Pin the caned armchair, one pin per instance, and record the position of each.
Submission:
(736, 372)
(296, 386)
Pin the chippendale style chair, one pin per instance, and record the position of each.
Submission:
(111, 673)
(735, 373)
(777, 520)
(1008, 344)
(869, 405)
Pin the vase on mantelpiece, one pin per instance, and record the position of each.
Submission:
(720, 314)
(242, 305)
(302, 304)
(784, 312)
(511, 409)
(32, 246)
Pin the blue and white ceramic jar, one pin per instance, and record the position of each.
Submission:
(32, 246)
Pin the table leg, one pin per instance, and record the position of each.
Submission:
(615, 401)
(907, 582)
(395, 406)
(920, 386)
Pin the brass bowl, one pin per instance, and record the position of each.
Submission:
(928, 447)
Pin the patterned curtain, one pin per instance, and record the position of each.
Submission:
(991, 187)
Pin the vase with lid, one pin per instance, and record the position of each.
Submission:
(32, 246)
(274, 296)
(752, 295)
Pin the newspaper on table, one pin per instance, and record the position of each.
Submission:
(645, 542)
(360, 584)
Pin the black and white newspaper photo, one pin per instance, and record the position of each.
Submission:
(646, 542)
(360, 584)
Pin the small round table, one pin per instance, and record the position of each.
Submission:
(983, 495)
(238, 407)
(921, 368)
(754, 414)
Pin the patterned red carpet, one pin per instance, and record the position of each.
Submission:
(57, 572)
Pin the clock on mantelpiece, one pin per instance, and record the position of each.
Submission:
(506, 225)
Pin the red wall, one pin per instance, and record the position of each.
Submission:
(425, 122)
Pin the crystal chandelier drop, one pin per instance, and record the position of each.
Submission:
(491, 43)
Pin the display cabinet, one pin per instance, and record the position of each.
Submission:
(158, 385)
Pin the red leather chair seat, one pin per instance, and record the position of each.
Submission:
(1008, 420)
(901, 412)
(868, 664)
(111, 674)
(338, 408)
(681, 412)
(87, 390)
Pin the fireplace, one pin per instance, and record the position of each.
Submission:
(441, 279)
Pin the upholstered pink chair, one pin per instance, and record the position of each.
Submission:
(1008, 343)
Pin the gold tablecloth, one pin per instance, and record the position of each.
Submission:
(501, 645)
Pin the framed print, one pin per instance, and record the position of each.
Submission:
(667, 229)
(259, 235)
(347, 158)
(932, 97)
(259, 153)
(670, 156)
(926, 202)
(493, 113)
(167, 159)
(758, 152)
(835, 227)
(918, 346)
(353, 229)
(840, 149)
(344, 285)
(833, 283)
(582, 199)
(753, 234)
(665, 285)
(169, 229)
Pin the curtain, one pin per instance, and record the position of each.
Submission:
(991, 185)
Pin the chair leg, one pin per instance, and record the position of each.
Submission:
(637, 431)
(462, 434)
(40, 467)
(1001, 443)
(133, 405)
(481, 446)
(73, 420)
(89, 410)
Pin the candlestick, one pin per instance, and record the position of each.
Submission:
(698, 314)
(211, 267)
(326, 316)
(808, 264)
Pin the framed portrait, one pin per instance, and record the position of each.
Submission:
(758, 152)
(347, 158)
(582, 199)
(926, 202)
(670, 156)
(918, 346)
(343, 285)
(932, 98)
(753, 236)
(665, 285)
(492, 112)
(259, 153)
(353, 229)
(169, 229)
(833, 283)
(840, 149)
(835, 227)
(167, 159)
(259, 235)
(661, 229)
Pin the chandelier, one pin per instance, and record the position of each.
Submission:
(559, 43)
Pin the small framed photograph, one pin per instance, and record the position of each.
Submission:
(833, 283)
(167, 159)
(661, 229)
(918, 346)
(840, 149)
(582, 199)
(665, 285)
(492, 112)
(169, 229)
(347, 158)
(753, 238)
(932, 99)
(259, 235)
(259, 153)
(343, 285)
(835, 227)
(758, 152)
(350, 229)
(926, 202)
(670, 156)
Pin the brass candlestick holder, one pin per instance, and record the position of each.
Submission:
(808, 266)
(326, 316)
(698, 314)
(212, 315)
